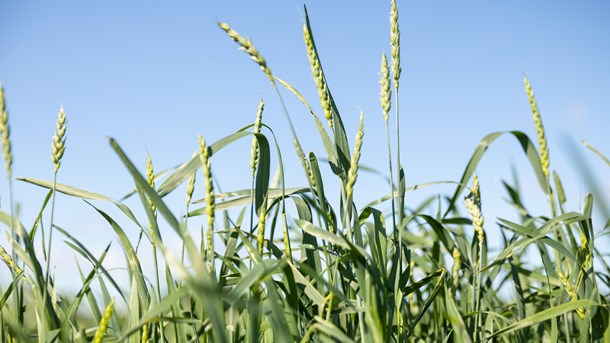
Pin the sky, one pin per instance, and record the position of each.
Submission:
(154, 75)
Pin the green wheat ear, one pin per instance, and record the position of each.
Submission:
(318, 76)
(9, 261)
(256, 129)
(544, 150)
(204, 155)
(395, 43)
(101, 330)
(59, 139)
(5, 132)
(247, 46)
(385, 94)
(457, 265)
(352, 173)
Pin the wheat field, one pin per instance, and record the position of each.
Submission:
(280, 262)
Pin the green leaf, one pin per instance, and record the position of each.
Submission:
(544, 315)
(528, 148)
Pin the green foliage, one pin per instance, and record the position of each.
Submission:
(339, 273)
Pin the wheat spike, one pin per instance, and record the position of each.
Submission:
(304, 162)
(247, 46)
(59, 139)
(257, 129)
(318, 76)
(352, 173)
(544, 150)
(571, 293)
(5, 132)
(204, 155)
(262, 218)
(395, 43)
(144, 333)
(457, 265)
(190, 188)
(101, 330)
(473, 204)
(150, 178)
(561, 195)
(385, 93)
(6, 257)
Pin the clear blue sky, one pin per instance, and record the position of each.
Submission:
(154, 75)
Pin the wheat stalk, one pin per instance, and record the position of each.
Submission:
(247, 46)
(101, 330)
(204, 155)
(318, 76)
(352, 173)
(59, 139)
(5, 132)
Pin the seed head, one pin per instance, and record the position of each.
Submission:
(5, 133)
(352, 173)
(204, 154)
(395, 43)
(457, 264)
(385, 94)
(257, 129)
(59, 139)
(544, 150)
(101, 330)
(318, 76)
(247, 46)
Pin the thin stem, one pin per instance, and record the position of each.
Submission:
(51, 228)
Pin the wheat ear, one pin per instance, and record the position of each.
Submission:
(262, 218)
(190, 188)
(473, 204)
(561, 195)
(352, 173)
(144, 333)
(257, 129)
(150, 178)
(385, 94)
(101, 330)
(59, 139)
(304, 163)
(247, 46)
(318, 76)
(204, 155)
(544, 150)
(571, 293)
(6, 257)
(457, 265)
(5, 132)
(395, 43)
